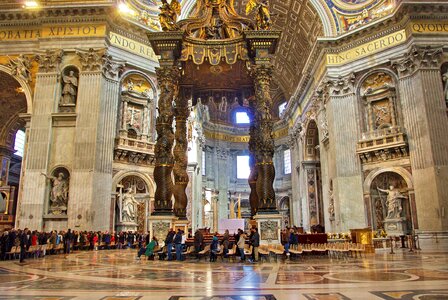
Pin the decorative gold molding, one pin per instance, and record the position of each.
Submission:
(53, 31)
(132, 46)
(367, 49)
(429, 27)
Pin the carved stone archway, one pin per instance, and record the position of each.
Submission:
(375, 209)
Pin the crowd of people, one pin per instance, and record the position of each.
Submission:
(175, 242)
(67, 240)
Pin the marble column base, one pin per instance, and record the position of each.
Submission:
(182, 225)
(395, 227)
(126, 226)
(159, 226)
(269, 226)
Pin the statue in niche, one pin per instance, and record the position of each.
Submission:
(69, 89)
(331, 205)
(2, 203)
(393, 202)
(168, 15)
(59, 192)
(445, 90)
(129, 206)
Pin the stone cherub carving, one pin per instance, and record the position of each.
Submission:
(168, 15)
(393, 202)
(21, 67)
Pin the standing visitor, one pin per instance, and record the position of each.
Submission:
(255, 242)
(178, 244)
(241, 243)
(169, 243)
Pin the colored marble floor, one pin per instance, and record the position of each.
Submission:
(116, 274)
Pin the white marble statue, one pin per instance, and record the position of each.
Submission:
(393, 202)
(129, 207)
(69, 90)
(445, 81)
(59, 191)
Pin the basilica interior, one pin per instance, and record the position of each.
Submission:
(326, 116)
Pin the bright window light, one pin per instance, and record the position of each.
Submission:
(31, 4)
(281, 108)
(242, 117)
(203, 163)
(242, 167)
(19, 144)
(287, 161)
(126, 9)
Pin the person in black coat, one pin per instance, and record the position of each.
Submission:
(198, 241)
(23, 237)
(4, 241)
(255, 242)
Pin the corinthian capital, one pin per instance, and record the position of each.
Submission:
(112, 68)
(419, 57)
(339, 86)
(91, 59)
(49, 60)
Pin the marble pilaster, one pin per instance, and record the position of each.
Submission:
(34, 196)
(424, 114)
(344, 166)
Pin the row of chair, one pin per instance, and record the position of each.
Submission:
(35, 251)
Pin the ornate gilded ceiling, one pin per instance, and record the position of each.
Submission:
(301, 22)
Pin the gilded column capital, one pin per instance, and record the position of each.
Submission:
(340, 86)
(419, 57)
(112, 68)
(91, 59)
(49, 60)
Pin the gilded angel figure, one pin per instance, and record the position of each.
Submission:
(263, 16)
(168, 15)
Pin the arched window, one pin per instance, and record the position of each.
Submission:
(242, 166)
(19, 144)
(241, 117)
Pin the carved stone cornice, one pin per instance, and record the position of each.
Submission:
(49, 60)
(91, 59)
(419, 57)
(112, 68)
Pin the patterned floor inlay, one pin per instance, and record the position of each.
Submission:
(325, 296)
(35, 298)
(227, 297)
(116, 274)
(413, 295)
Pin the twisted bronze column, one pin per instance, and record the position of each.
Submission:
(253, 134)
(264, 144)
(181, 158)
(168, 78)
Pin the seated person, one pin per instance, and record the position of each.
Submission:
(149, 252)
(214, 248)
